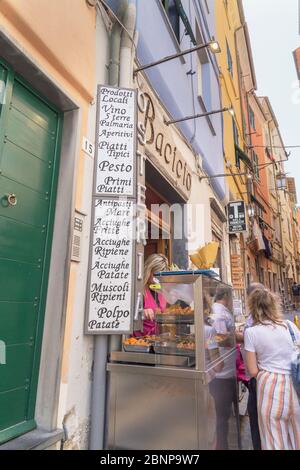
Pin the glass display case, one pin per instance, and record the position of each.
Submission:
(180, 367)
(195, 327)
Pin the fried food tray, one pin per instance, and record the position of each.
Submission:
(136, 348)
(174, 318)
(174, 351)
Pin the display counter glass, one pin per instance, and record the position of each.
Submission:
(180, 368)
(194, 329)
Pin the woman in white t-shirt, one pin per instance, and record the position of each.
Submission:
(269, 349)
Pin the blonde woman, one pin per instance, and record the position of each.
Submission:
(153, 301)
(269, 349)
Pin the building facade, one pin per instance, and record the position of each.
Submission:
(228, 22)
(53, 375)
(48, 90)
(187, 86)
(48, 100)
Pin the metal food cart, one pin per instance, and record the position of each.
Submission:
(177, 389)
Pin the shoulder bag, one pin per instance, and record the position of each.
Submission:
(295, 364)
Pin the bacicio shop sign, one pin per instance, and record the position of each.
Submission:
(236, 211)
(159, 144)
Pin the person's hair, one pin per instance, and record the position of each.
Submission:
(265, 307)
(155, 263)
(252, 287)
(222, 293)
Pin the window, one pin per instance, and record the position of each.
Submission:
(235, 132)
(229, 60)
(248, 271)
(251, 118)
(199, 78)
(203, 73)
(244, 124)
(271, 181)
(255, 162)
(275, 285)
(267, 140)
(289, 230)
(270, 281)
(173, 15)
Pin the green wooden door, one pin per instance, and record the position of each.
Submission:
(29, 150)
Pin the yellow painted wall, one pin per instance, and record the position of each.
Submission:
(60, 37)
(227, 21)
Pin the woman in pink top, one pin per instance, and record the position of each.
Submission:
(153, 301)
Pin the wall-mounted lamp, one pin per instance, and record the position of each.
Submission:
(281, 182)
(195, 116)
(224, 175)
(213, 46)
(251, 212)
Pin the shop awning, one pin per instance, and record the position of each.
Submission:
(240, 155)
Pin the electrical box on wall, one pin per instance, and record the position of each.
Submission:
(77, 236)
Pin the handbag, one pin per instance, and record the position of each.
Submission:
(295, 364)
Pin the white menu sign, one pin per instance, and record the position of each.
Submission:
(115, 141)
(110, 287)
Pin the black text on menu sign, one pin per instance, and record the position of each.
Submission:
(111, 271)
(110, 288)
(116, 142)
(237, 217)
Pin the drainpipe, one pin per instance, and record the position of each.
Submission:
(126, 55)
(125, 81)
(99, 386)
(115, 45)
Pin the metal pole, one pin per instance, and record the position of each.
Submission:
(222, 175)
(99, 384)
(197, 116)
(170, 57)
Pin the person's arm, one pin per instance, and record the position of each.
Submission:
(149, 314)
(251, 363)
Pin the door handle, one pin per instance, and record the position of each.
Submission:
(12, 199)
